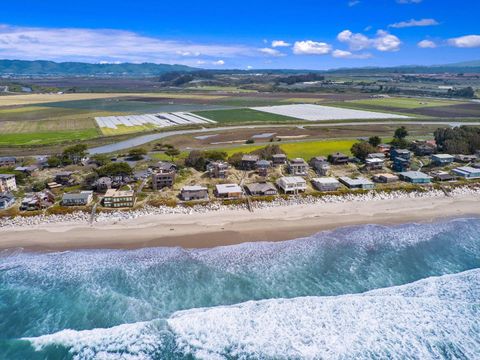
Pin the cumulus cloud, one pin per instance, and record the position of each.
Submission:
(383, 41)
(427, 44)
(414, 23)
(467, 41)
(280, 43)
(219, 62)
(342, 54)
(309, 47)
(271, 52)
(93, 45)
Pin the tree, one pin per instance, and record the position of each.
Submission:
(196, 160)
(236, 159)
(137, 154)
(362, 149)
(74, 153)
(401, 133)
(115, 169)
(54, 161)
(100, 159)
(173, 153)
(268, 151)
(38, 186)
(374, 141)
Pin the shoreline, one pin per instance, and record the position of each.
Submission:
(233, 226)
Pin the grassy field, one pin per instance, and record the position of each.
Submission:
(404, 103)
(304, 149)
(30, 99)
(232, 89)
(244, 116)
(122, 129)
(47, 138)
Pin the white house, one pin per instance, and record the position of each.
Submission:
(292, 184)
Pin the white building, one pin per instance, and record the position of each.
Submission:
(7, 183)
(292, 184)
(326, 184)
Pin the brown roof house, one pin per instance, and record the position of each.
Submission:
(249, 162)
(279, 159)
(320, 165)
(338, 158)
(163, 178)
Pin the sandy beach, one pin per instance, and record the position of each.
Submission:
(199, 230)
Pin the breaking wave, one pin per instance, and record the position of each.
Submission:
(433, 318)
(407, 291)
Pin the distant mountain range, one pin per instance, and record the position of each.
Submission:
(50, 68)
(40, 67)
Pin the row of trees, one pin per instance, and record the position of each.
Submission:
(459, 140)
(363, 148)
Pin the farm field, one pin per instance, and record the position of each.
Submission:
(404, 103)
(244, 115)
(303, 149)
(29, 99)
(311, 112)
(47, 138)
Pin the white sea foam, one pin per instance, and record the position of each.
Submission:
(429, 319)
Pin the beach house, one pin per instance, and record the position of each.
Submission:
(442, 159)
(7, 200)
(119, 198)
(467, 172)
(217, 169)
(228, 191)
(262, 167)
(385, 178)
(163, 178)
(7, 161)
(65, 178)
(292, 184)
(279, 159)
(194, 192)
(37, 201)
(248, 162)
(298, 167)
(82, 198)
(358, 183)
(415, 177)
(374, 163)
(338, 158)
(7, 182)
(261, 189)
(320, 165)
(28, 170)
(461, 158)
(326, 184)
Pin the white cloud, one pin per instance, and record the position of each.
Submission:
(309, 47)
(427, 44)
(219, 62)
(414, 23)
(271, 52)
(249, 67)
(383, 41)
(93, 45)
(342, 54)
(353, 3)
(280, 43)
(409, 1)
(467, 41)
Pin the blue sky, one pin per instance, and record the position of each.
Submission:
(247, 34)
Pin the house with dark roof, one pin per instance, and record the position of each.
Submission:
(320, 165)
(279, 159)
(358, 183)
(326, 184)
(442, 159)
(261, 189)
(415, 177)
(163, 178)
(338, 158)
(263, 166)
(218, 169)
(65, 178)
(194, 192)
(248, 162)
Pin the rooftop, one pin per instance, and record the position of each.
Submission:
(194, 188)
(325, 180)
(415, 175)
(292, 179)
(357, 181)
(257, 187)
(468, 169)
(250, 158)
(443, 156)
(6, 176)
(77, 196)
(119, 193)
(228, 188)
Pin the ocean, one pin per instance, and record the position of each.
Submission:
(408, 291)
